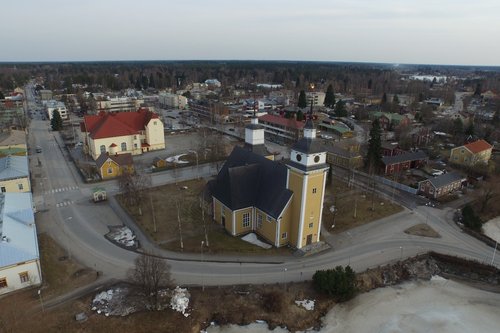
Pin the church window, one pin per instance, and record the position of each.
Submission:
(246, 220)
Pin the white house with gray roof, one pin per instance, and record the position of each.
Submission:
(19, 254)
(14, 174)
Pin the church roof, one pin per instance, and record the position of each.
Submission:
(248, 179)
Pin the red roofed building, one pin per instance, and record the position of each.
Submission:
(123, 132)
(472, 153)
(282, 129)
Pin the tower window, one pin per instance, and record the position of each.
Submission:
(269, 218)
(284, 235)
(311, 225)
(314, 190)
(259, 221)
(246, 220)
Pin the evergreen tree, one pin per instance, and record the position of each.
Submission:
(374, 154)
(138, 85)
(300, 115)
(496, 118)
(151, 81)
(470, 219)
(384, 99)
(395, 99)
(329, 97)
(56, 122)
(338, 282)
(340, 110)
(469, 131)
(302, 99)
(1, 95)
(477, 91)
(458, 127)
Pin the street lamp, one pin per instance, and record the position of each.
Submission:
(202, 270)
(41, 300)
(401, 248)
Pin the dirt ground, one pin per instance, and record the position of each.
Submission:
(353, 207)
(422, 230)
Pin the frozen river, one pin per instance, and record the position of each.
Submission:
(438, 305)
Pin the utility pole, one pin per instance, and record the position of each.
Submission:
(180, 229)
(202, 270)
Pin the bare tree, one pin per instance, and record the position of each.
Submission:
(132, 186)
(150, 274)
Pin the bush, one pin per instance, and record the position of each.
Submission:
(273, 301)
(470, 219)
(338, 282)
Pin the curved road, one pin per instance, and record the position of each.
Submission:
(79, 225)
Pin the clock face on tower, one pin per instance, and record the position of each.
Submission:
(298, 157)
(316, 159)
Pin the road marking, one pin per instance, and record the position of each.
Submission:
(64, 203)
(62, 189)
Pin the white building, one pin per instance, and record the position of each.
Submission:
(19, 254)
(317, 97)
(119, 104)
(53, 105)
(172, 101)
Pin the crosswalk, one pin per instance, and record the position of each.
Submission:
(62, 189)
(65, 203)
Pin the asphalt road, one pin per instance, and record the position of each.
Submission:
(79, 226)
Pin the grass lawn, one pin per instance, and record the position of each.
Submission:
(353, 207)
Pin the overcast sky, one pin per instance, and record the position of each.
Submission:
(392, 31)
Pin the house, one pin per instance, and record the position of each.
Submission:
(401, 162)
(13, 142)
(159, 162)
(122, 133)
(388, 120)
(14, 174)
(472, 153)
(281, 202)
(391, 149)
(281, 129)
(19, 254)
(439, 186)
(110, 166)
(339, 129)
(344, 158)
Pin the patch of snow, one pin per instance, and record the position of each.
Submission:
(180, 300)
(438, 278)
(124, 236)
(492, 229)
(176, 159)
(306, 304)
(252, 238)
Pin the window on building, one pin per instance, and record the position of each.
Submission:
(103, 148)
(311, 225)
(269, 218)
(135, 137)
(124, 146)
(246, 220)
(135, 145)
(314, 190)
(3, 189)
(3, 283)
(259, 221)
(20, 187)
(284, 235)
(154, 122)
(110, 171)
(24, 277)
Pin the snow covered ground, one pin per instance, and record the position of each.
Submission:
(252, 238)
(438, 305)
(492, 229)
(176, 159)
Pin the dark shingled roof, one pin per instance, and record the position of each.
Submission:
(120, 159)
(257, 149)
(405, 157)
(445, 179)
(248, 179)
(309, 146)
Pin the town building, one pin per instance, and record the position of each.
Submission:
(52, 105)
(111, 166)
(473, 153)
(46, 95)
(388, 121)
(343, 158)
(13, 142)
(19, 254)
(439, 186)
(402, 162)
(119, 104)
(122, 132)
(14, 174)
(216, 112)
(281, 129)
(281, 202)
(175, 101)
(316, 97)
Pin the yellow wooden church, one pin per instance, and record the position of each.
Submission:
(280, 201)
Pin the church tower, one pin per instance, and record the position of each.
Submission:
(254, 138)
(307, 171)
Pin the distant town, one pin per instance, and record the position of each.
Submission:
(234, 191)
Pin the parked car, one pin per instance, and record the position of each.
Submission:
(38, 149)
